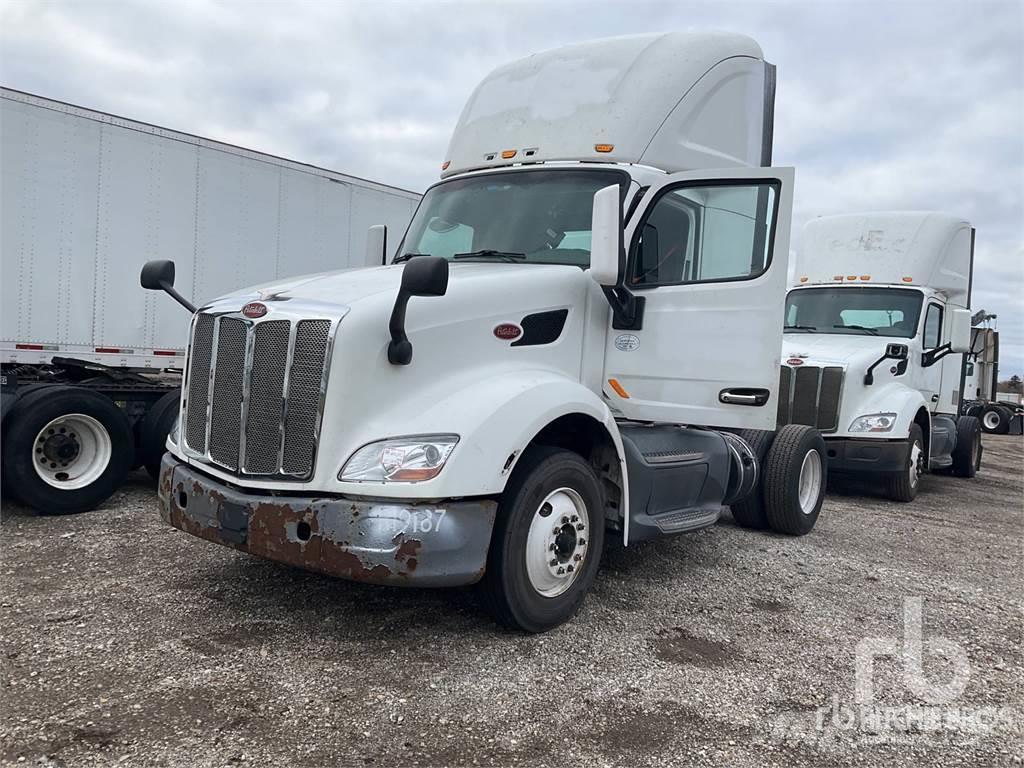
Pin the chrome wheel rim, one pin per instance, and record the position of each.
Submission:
(990, 420)
(556, 545)
(810, 481)
(916, 463)
(71, 452)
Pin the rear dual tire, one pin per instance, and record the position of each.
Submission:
(65, 450)
(995, 419)
(794, 474)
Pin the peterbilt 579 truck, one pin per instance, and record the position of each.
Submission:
(578, 333)
(872, 355)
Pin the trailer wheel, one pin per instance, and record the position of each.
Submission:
(902, 486)
(547, 540)
(795, 475)
(968, 449)
(995, 420)
(153, 431)
(66, 449)
(749, 512)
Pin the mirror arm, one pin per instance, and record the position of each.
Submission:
(627, 308)
(169, 290)
(932, 356)
(892, 352)
(399, 348)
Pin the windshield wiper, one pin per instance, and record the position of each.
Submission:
(872, 331)
(488, 253)
(406, 257)
(799, 327)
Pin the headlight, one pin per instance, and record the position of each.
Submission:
(399, 460)
(874, 422)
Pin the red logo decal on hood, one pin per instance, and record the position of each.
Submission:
(508, 331)
(254, 309)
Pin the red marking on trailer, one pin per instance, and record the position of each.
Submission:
(165, 352)
(29, 346)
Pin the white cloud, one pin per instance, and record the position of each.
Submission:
(899, 105)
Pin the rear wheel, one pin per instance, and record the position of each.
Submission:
(547, 540)
(995, 419)
(66, 449)
(968, 449)
(750, 512)
(794, 481)
(902, 486)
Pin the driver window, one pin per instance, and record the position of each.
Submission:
(705, 233)
(932, 327)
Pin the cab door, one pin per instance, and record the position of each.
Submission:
(708, 254)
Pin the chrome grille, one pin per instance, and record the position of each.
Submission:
(266, 401)
(262, 385)
(810, 395)
(200, 356)
(304, 390)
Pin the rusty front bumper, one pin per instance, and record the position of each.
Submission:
(381, 542)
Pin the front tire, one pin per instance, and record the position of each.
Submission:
(795, 476)
(902, 486)
(66, 449)
(750, 512)
(968, 449)
(547, 540)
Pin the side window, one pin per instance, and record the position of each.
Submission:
(705, 233)
(932, 327)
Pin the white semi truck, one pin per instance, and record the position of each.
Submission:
(578, 332)
(91, 365)
(1000, 413)
(875, 332)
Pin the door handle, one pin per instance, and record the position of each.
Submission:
(744, 396)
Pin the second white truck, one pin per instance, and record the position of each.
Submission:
(873, 352)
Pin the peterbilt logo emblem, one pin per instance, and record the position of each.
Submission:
(254, 309)
(794, 361)
(507, 331)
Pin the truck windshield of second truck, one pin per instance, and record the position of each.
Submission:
(539, 216)
(854, 310)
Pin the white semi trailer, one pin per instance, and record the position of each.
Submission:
(91, 365)
(872, 356)
(578, 332)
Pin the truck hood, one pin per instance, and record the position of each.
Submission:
(836, 349)
(347, 287)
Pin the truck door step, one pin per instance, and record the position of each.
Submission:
(686, 520)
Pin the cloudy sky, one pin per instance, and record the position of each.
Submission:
(894, 105)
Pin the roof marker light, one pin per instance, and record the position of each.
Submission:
(604, 147)
(851, 277)
(865, 277)
(837, 277)
(445, 164)
(803, 279)
(508, 154)
(908, 279)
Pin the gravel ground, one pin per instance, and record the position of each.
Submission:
(126, 642)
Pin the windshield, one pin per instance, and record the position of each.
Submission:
(540, 216)
(849, 310)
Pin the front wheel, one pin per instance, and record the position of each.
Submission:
(547, 540)
(902, 486)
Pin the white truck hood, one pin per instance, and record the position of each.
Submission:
(833, 348)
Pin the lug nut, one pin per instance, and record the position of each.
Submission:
(581, 542)
(557, 531)
(577, 558)
(552, 548)
(565, 520)
(579, 526)
(554, 562)
(561, 571)
(568, 568)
